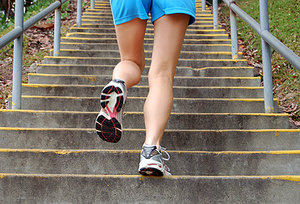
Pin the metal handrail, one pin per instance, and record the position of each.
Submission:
(267, 40)
(17, 31)
(17, 35)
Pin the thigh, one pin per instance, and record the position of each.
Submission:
(167, 7)
(130, 38)
(169, 32)
(127, 10)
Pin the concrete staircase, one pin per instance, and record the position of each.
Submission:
(223, 147)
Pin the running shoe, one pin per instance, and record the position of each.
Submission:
(152, 161)
(109, 120)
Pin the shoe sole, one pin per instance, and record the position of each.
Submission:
(150, 172)
(110, 130)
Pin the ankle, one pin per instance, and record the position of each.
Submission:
(151, 145)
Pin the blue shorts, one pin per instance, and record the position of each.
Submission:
(127, 10)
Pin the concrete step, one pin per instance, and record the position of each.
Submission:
(110, 28)
(214, 40)
(142, 91)
(191, 140)
(135, 120)
(180, 105)
(178, 80)
(218, 34)
(177, 189)
(149, 47)
(115, 53)
(120, 162)
(193, 63)
(180, 71)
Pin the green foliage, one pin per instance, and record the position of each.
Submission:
(284, 25)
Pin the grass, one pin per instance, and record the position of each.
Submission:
(285, 26)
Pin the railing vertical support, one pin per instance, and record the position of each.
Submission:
(215, 13)
(92, 4)
(57, 32)
(79, 12)
(18, 57)
(266, 58)
(203, 5)
(234, 40)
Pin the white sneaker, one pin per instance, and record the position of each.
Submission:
(109, 120)
(152, 162)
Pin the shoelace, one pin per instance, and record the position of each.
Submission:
(163, 150)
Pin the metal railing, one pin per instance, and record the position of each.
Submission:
(267, 40)
(263, 30)
(17, 35)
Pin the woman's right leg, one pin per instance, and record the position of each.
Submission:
(130, 38)
(127, 73)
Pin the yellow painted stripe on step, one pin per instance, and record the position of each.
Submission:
(92, 24)
(45, 111)
(46, 129)
(93, 28)
(150, 34)
(292, 178)
(93, 20)
(275, 131)
(222, 114)
(148, 51)
(190, 29)
(111, 58)
(131, 97)
(141, 113)
(82, 151)
(237, 130)
(222, 68)
(196, 40)
(76, 65)
(105, 66)
(106, 7)
(89, 65)
(143, 98)
(187, 34)
(143, 87)
(216, 60)
(198, 16)
(176, 77)
(200, 45)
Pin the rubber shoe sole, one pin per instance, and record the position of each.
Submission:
(150, 172)
(108, 126)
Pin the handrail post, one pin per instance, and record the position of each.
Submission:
(203, 5)
(57, 32)
(92, 4)
(266, 58)
(233, 30)
(215, 13)
(18, 57)
(79, 12)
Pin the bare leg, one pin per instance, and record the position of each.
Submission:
(130, 37)
(168, 38)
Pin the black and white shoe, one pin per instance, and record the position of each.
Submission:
(109, 120)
